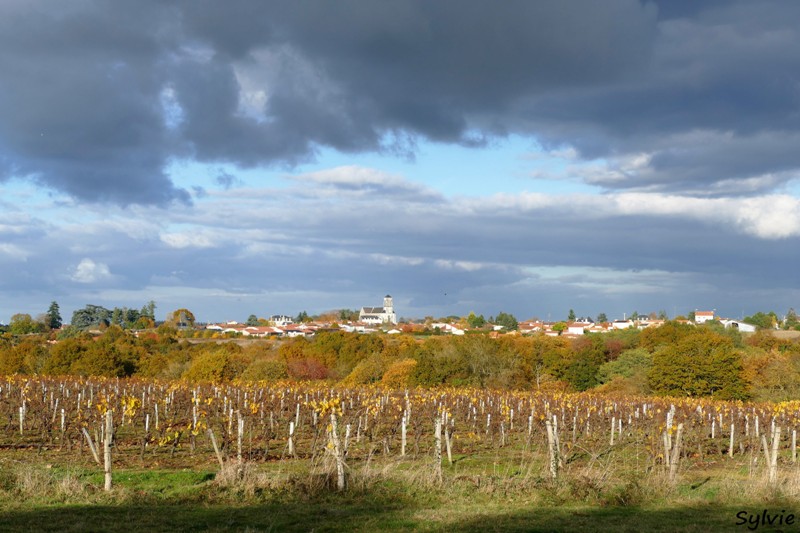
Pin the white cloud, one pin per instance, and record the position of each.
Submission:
(775, 216)
(187, 240)
(88, 271)
(360, 181)
(766, 217)
(467, 266)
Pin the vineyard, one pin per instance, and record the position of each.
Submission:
(587, 447)
(264, 422)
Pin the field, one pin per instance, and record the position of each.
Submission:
(117, 455)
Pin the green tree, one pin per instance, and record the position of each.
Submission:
(252, 320)
(476, 321)
(91, 316)
(506, 320)
(53, 316)
(791, 321)
(348, 315)
(669, 333)
(631, 364)
(302, 317)
(602, 317)
(149, 310)
(589, 352)
(763, 320)
(571, 316)
(131, 317)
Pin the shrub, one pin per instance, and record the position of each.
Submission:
(400, 374)
(265, 370)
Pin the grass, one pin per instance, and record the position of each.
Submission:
(495, 490)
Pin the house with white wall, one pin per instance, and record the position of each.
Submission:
(701, 317)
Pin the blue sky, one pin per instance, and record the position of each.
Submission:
(267, 158)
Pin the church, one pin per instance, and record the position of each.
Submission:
(379, 315)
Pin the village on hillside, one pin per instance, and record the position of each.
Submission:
(372, 319)
(384, 319)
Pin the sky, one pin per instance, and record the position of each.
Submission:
(256, 157)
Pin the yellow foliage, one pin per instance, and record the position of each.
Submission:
(399, 374)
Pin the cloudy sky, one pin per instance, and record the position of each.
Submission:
(529, 157)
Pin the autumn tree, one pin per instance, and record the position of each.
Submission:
(265, 369)
(400, 374)
(589, 352)
(23, 324)
(701, 364)
(217, 364)
(181, 318)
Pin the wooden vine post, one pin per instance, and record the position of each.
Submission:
(216, 448)
(338, 453)
(448, 439)
(107, 438)
(676, 453)
(403, 436)
(552, 449)
(772, 455)
(437, 451)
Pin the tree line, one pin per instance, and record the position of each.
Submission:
(675, 359)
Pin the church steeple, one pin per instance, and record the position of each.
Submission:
(388, 306)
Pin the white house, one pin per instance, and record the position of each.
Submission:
(447, 328)
(281, 320)
(578, 328)
(622, 324)
(703, 316)
(379, 315)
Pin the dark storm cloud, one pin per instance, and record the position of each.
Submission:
(97, 98)
(79, 101)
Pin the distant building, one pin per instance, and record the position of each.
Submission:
(281, 320)
(379, 315)
(701, 317)
(578, 328)
(744, 327)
